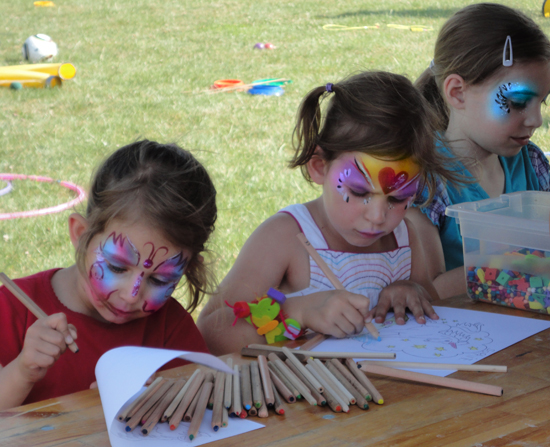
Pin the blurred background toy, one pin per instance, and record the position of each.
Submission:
(39, 48)
(36, 75)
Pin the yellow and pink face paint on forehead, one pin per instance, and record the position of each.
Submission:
(361, 174)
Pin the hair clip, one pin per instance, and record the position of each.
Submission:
(328, 87)
(510, 61)
(431, 64)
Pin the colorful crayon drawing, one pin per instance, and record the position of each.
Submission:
(459, 336)
(444, 338)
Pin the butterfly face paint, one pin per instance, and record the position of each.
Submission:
(362, 175)
(117, 268)
(510, 96)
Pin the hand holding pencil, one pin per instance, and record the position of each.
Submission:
(46, 339)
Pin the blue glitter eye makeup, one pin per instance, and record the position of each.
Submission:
(512, 96)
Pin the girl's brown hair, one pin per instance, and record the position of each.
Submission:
(163, 186)
(378, 113)
(471, 44)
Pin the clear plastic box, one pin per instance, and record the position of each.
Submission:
(506, 244)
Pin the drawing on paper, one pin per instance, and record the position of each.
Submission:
(437, 339)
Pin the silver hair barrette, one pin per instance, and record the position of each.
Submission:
(510, 61)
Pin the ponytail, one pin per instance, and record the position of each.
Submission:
(427, 85)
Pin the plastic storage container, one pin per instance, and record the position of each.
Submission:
(506, 244)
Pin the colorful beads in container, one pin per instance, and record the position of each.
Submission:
(524, 285)
(267, 318)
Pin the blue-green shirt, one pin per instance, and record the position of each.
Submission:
(529, 170)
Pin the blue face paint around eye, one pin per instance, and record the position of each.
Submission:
(510, 95)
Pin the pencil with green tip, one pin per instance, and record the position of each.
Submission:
(205, 392)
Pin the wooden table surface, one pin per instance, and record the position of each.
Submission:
(412, 415)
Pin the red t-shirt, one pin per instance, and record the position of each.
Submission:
(171, 327)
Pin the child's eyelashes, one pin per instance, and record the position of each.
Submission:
(116, 269)
(357, 193)
(517, 105)
(397, 200)
(158, 282)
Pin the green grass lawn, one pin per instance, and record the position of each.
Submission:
(144, 70)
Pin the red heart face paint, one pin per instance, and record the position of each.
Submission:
(123, 286)
(362, 175)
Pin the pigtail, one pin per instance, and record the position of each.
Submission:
(306, 132)
(427, 85)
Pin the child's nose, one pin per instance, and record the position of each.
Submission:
(132, 294)
(534, 117)
(376, 210)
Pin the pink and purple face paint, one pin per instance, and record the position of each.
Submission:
(363, 175)
(116, 256)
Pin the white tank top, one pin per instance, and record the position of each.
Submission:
(362, 273)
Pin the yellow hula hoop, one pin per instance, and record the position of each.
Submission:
(416, 28)
(334, 27)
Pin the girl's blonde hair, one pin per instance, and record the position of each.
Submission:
(378, 113)
(471, 44)
(163, 186)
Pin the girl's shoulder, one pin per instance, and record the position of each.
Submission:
(540, 164)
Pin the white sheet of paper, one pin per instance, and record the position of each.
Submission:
(122, 372)
(459, 336)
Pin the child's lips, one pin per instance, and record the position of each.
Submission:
(370, 234)
(523, 140)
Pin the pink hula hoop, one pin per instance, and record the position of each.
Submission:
(81, 195)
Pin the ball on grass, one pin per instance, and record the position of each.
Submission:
(39, 48)
(16, 85)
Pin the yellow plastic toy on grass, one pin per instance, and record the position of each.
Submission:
(37, 75)
(545, 9)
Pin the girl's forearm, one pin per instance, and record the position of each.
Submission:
(13, 388)
(451, 283)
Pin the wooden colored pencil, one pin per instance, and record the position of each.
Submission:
(246, 387)
(237, 405)
(199, 411)
(172, 407)
(302, 387)
(316, 395)
(211, 398)
(275, 368)
(122, 414)
(281, 387)
(314, 341)
(28, 303)
(278, 405)
(341, 388)
(217, 412)
(188, 416)
(447, 382)
(352, 379)
(326, 354)
(332, 400)
(149, 412)
(262, 411)
(256, 384)
(327, 383)
(266, 381)
(295, 382)
(193, 389)
(253, 411)
(228, 389)
(360, 401)
(150, 402)
(332, 277)
(155, 417)
(225, 416)
(442, 366)
(376, 396)
(138, 407)
(290, 355)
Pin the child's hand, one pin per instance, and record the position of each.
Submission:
(401, 295)
(335, 312)
(44, 342)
